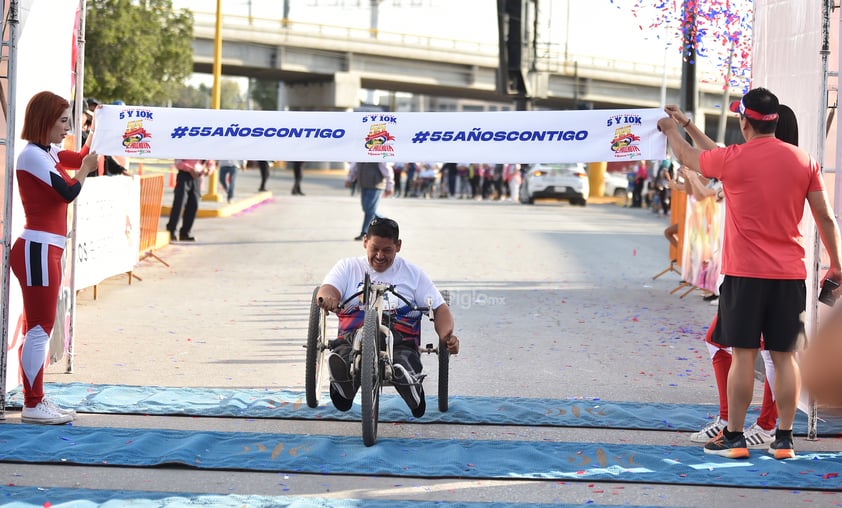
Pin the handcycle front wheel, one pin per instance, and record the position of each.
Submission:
(316, 345)
(370, 379)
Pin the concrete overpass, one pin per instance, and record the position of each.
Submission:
(324, 67)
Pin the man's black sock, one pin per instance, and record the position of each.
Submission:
(730, 436)
(783, 434)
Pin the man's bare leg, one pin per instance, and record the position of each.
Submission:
(787, 387)
(741, 386)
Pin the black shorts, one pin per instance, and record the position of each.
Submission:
(749, 308)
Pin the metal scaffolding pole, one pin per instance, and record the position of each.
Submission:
(9, 44)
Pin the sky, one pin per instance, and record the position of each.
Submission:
(641, 31)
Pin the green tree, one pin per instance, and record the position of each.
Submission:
(202, 96)
(230, 96)
(192, 97)
(264, 94)
(138, 51)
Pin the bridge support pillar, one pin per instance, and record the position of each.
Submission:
(340, 93)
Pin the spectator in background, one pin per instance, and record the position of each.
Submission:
(500, 190)
(442, 178)
(487, 173)
(186, 195)
(297, 166)
(452, 170)
(462, 183)
(87, 120)
(411, 167)
(426, 186)
(397, 169)
(640, 177)
(263, 166)
(375, 178)
(662, 188)
(511, 173)
(228, 175)
(474, 178)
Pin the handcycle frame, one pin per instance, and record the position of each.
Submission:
(372, 354)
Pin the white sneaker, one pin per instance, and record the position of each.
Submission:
(757, 437)
(44, 415)
(52, 405)
(406, 386)
(709, 431)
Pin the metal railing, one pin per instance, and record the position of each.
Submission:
(550, 59)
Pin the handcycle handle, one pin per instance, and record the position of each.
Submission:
(339, 307)
(383, 288)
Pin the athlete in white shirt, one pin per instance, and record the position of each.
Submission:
(382, 244)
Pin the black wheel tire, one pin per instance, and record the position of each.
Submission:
(444, 366)
(315, 354)
(444, 373)
(370, 378)
(366, 289)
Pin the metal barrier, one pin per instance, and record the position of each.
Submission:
(678, 212)
(151, 194)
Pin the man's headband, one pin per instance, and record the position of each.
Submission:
(739, 107)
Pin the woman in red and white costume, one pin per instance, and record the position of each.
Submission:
(45, 191)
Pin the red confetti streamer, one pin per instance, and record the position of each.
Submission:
(718, 30)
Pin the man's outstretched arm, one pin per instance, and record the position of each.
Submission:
(686, 154)
(328, 297)
(444, 328)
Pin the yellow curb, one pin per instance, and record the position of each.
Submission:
(601, 200)
(162, 239)
(595, 200)
(227, 210)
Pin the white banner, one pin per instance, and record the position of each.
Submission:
(107, 229)
(495, 137)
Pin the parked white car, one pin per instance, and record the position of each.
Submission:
(567, 181)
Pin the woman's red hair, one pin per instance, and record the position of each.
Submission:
(42, 112)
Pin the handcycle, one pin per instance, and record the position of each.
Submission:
(371, 357)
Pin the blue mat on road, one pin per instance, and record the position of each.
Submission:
(32, 497)
(419, 458)
(255, 403)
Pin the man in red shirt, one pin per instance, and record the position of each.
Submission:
(765, 182)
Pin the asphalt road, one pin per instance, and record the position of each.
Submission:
(550, 300)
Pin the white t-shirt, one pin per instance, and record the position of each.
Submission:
(410, 281)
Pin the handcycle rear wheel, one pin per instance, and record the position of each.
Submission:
(444, 365)
(316, 345)
(370, 382)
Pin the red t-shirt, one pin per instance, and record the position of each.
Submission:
(766, 182)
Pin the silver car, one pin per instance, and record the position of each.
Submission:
(568, 181)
